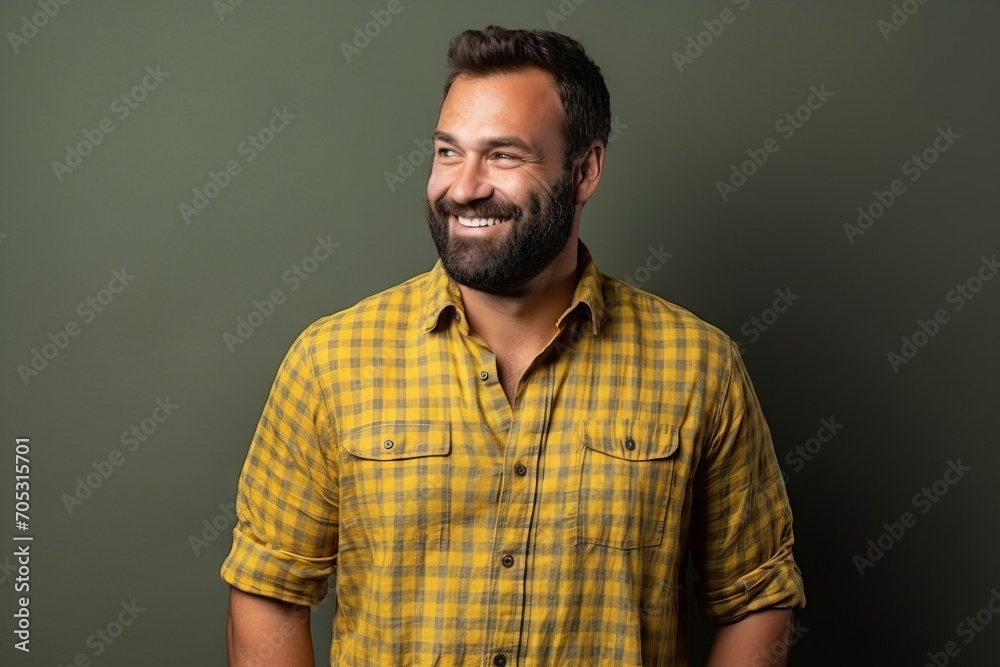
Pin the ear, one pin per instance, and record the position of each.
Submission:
(588, 172)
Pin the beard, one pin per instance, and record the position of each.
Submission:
(504, 262)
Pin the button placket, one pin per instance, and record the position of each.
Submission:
(515, 507)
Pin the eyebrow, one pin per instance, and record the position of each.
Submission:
(488, 143)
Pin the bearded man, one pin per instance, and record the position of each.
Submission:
(512, 458)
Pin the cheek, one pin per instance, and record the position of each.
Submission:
(437, 185)
(516, 193)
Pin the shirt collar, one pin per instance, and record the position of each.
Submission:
(440, 294)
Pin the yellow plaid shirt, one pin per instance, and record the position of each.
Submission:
(464, 531)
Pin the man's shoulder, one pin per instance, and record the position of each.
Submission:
(626, 303)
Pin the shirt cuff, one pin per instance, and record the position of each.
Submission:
(776, 584)
(255, 567)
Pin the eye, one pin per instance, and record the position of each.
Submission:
(443, 152)
(506, 157)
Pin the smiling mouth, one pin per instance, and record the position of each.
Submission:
(480, 222)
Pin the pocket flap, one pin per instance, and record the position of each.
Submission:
(392, 440)
(630, 439)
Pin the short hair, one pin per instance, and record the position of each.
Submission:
(578, 80)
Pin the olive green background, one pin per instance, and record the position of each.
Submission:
(324, 176)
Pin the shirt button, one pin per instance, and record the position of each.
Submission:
(507, 560)
(484, 376)
(520, 470)
(630, 444)
(499, 660)
(388, 444)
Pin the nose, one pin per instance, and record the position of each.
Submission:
(471, 183)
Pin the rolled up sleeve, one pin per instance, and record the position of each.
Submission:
(287, 501)
(741, 537)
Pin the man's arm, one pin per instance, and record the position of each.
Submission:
(741, 533)
(266, 631)
(285, 541)
(760, 639)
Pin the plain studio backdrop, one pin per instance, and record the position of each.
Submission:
(187, 185)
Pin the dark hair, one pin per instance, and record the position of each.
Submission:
(585, 99)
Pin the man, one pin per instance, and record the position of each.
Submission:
(512, 458)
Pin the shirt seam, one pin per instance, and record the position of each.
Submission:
(726, 384)
(310, 357)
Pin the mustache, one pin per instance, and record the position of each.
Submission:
(486, 209)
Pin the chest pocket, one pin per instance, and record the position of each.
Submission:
(401, 472)
(625, 481)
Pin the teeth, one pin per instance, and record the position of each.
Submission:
(479, 222)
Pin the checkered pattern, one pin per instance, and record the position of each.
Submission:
(554, 532)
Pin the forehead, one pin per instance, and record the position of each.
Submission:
(524, 102)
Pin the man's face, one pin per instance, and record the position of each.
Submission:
(499, 159)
